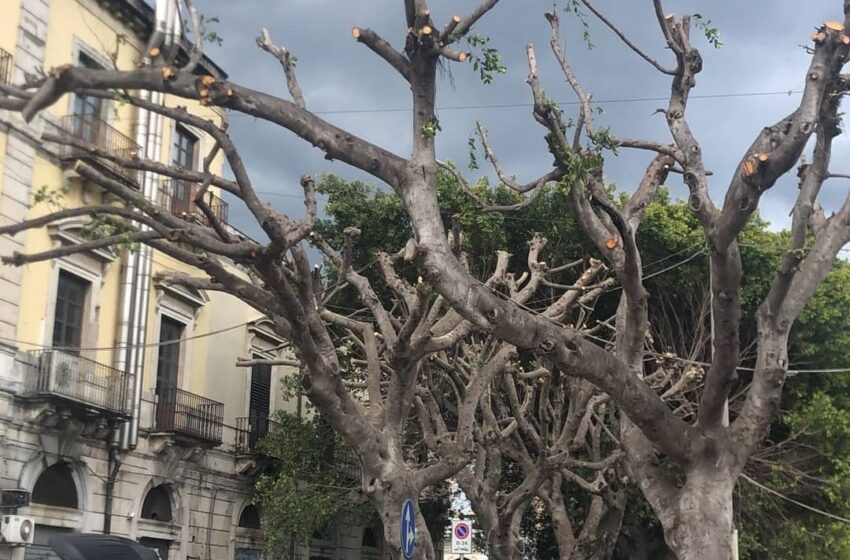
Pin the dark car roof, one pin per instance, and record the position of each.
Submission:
(99, 547)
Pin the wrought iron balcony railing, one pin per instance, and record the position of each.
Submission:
(184, 413)
(73, 378)
(94, 130)
(5, 67)
(178, 197)
(250, 430)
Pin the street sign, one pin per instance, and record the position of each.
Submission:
(408, 529)
(461, 537)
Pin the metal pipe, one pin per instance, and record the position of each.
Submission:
(167, 24)
(114, 466)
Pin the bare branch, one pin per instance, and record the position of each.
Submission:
(335, 142)
(18, 259)
(383, 49)
(287, 62)
(613, 27)
(247, 362)
(508, 181)
(462, 28)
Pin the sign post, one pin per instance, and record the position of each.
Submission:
(461, 537)
(408, 529)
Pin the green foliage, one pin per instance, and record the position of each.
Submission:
(52, 197)
(672, 245)
(574, 7)
(431, 128)
(712, 34)
(310, 477)
(473, 153)
(489, 62)
(208, 34)
(823, 329)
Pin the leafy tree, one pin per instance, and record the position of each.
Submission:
(308, 478)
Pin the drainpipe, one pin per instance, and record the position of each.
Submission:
(166, 29)
(114, 466)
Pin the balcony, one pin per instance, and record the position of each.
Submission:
(250, 430)
(83, 383)
(191, 416)
(5, 67)
(96, 131)
(178, 197)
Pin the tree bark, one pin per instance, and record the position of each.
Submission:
(504, 542)
(701, 527)
(389, 504)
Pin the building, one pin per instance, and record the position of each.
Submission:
(107, 422)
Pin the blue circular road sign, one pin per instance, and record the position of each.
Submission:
(408, 529)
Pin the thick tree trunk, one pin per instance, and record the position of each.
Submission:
(701, 528)
(390, 509)
(504, 542)
(609, 527)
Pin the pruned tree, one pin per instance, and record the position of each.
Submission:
(535, 418)
(696, 513)
(686, 470)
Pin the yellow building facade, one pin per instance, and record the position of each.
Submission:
(121, 407)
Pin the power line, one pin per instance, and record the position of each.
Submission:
(127, 346)
(610, 101)
(793, 501)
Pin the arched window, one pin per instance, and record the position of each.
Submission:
(56, 487)
(157, 504)
(250, 517)
(370, 538)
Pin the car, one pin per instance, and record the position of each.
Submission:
(99, 547)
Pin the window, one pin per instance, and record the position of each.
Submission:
(157, 504)
(70, 306)
(89, 110)
(183, 154)
(168, 363)
(258, 407)
(369, 538)
(250, 517)
(55, 487)
(184, 148)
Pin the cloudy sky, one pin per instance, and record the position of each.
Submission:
(749, 83)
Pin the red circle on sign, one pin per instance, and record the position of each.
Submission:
(461, 530)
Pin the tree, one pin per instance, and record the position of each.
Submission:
(686, 471)
(307, 478)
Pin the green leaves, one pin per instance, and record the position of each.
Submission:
(309, 478)
(489, 62)
(45, 194)
(712, 34)
(473, 159)
(574, 7)
(430, 129)
(208, 34)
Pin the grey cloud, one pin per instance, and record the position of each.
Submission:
(762, 53)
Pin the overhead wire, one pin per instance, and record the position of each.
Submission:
(610, 101)
(798, 503)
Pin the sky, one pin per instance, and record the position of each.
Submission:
(749, 83)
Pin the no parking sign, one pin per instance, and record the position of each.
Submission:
(461, 537)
